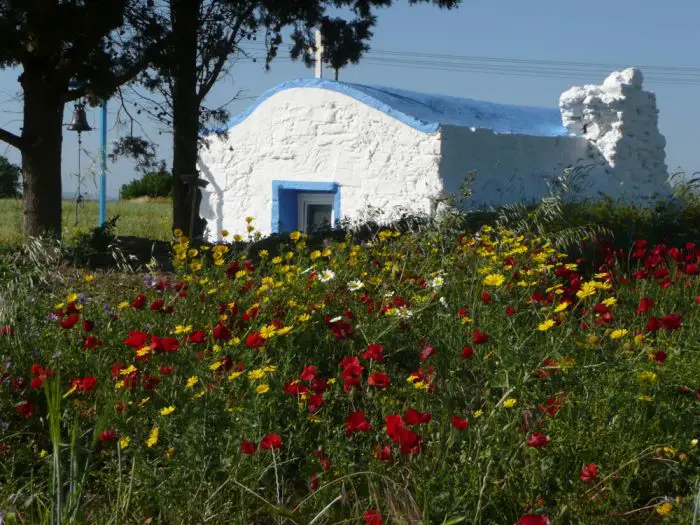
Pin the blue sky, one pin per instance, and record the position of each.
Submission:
(620, 32)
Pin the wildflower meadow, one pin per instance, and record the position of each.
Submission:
(411, 377)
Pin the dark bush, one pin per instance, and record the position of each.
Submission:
(9, 180)
(153, 184)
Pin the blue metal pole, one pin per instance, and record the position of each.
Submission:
(103, 164)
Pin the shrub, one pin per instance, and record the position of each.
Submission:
(10, 175)
(153, 184)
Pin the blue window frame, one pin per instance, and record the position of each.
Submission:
(285, 202)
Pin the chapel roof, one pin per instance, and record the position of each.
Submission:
(427, 112)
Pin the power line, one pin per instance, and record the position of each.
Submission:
(512, 70)
(597, 65)
(667, 75)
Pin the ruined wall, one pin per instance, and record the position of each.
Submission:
(620, 119)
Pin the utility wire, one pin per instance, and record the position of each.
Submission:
(664, 75)
(598, 65)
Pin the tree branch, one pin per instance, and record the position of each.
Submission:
(12, 139)
(114, 83)
(208, 83)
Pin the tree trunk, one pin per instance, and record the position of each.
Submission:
(42, 134)
(186, 105)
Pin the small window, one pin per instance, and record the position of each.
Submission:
(315, 211)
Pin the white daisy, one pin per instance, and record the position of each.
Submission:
(353, 286)
(326, 275)
(437, 282)
(403, 313)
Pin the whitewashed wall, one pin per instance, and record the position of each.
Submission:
(620, 119)
(317, 135)
(508, 168)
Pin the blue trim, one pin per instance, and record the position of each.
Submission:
(284, 195)
(427, 112)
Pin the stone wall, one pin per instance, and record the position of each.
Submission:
(620, 120)
(507, 168)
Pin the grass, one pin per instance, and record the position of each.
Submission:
(142, 219)
(428, 376)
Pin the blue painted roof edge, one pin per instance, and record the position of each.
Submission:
(339, 87)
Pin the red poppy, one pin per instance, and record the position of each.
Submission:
(39, 376)
(340, 329)
(72, 309)
(197, 337)
(480, 338)
(426, 352)
(84, 384)
(600, 308)
(351, 365)
(660, 357)
(374, 352)
(414, 417)
(91, 342)
(222, 333)
(533, 519)
(697, 299)
(248, 447)
(294, 388)
(467, 352)
(139, 302)
(157, 305)
(150, 382)
(460, 423)
(589, 472)
(552, 405)
(165, 344)
(383, 453)
(136, 340)
(510, 311)
(356, 422)
(254, 340)
(486, 297)
(313, 481)
(25, 408)
(671, 321)
(108, 435)
(351, 374)
(653, 324)
(6, 330)
(70, 321)
(410, 442)
(323, 459)
(379, 379)
(372, 517)
(166, 370)
(537, 440)
(645, 303)
(315, 402)
(393, 424)
(271, 441)
(88, 326)
(309, 373)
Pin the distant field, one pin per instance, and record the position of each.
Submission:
(144, 219)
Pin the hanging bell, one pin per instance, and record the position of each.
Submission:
(79, 122)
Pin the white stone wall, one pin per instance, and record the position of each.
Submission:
(620, 119)
(317, 135)
(508, 168)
